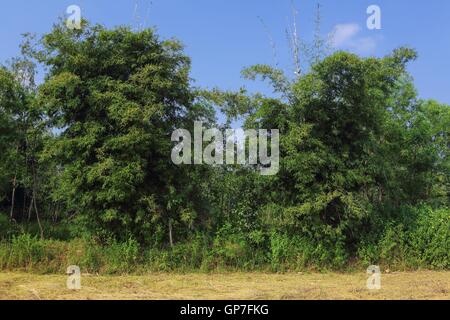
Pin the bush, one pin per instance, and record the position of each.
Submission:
(229, 248)
(430, 237)
(56, 231)
(86, 254)
(413, 238)
(299, 252)
(26, 251)
(121, 257)
(417, 237)
(8, 229)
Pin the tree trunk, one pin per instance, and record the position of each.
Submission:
(30, 208)
(34, 200)
(55, 213)
(37, 217)
(170, 233)
(24, 202)
(13, 198)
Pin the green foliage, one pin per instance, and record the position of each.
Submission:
(8, 229)
(86, 176)
(118, 95)
(122, 257)
(25, 251)
(416, 237)
(300, 253)
(12, 100)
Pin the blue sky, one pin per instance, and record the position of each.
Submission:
(222, 37)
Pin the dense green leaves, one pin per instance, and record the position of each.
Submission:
(117, 96)
(364, 167)
(355, 141)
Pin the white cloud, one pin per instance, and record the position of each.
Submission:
(364, 45)
(345, 36)
(344, 33)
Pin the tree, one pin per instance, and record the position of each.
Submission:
(117, 96)
(12, 101)
(23, 139)
(334, 124)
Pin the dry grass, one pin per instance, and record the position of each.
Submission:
(296, 286)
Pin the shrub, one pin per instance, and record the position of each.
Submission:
(8, 229)
(121, 257)
(416, 237)
(25, 251)
(430, 237)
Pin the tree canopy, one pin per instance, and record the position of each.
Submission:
(88, 151)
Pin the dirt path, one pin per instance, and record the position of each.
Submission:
(402, 285)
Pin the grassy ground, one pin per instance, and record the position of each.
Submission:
(402, 285)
